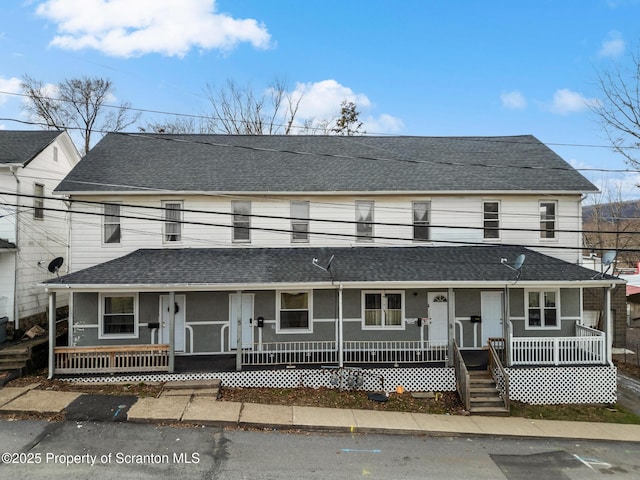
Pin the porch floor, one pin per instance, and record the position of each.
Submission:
(476, 359)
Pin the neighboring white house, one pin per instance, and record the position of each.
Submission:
(34, 228)
(347, 250)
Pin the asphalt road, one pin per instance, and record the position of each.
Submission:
(629, 393)
(110, 450)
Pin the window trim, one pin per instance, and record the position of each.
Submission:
(496, 220)
(136, 317)
(426, 224)
(543, 326)
(38, 203)
(166, 220)
(296, 220)
(289, 331)
(384, 325)
(554, 220)
(235, 222)
(105, 216)
(360, 237)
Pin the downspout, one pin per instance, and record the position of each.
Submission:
(16, 321)
(52, 333)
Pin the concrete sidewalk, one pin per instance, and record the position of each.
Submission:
(205, 409)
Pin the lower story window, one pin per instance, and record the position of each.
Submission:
(382, 309)
(294, 311)
(118, 316)
(542, 309)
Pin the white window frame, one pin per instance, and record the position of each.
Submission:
(542, 217)
(383, 309)
(421, 224)
(106, 222)
(38, 203)
(486, 218)
(172, 221)
(238, 221)
(101, 313)
(368, 235)
(543, 326)
(279, 309)
(299, 223)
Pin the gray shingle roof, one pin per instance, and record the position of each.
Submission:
(224, 163)
(229, 266)
(21, 146)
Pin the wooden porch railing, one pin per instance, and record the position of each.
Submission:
(497, 355)
(325, 352)
(463, 381)
(586, 349)
(111, 359)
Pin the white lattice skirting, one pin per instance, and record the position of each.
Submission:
(412, 379)
(563, 385)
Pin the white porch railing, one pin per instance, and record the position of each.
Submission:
(325, 352)
(586, 348)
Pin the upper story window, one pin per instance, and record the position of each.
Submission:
(382, 310)
(294, 312)
(118, 316)
(241, 221)
(111, 223)
(299, 221)
(364, 221)
(548, 219)
(38, 201)
(172, 221)
(421, 216)
(491, 220)
(55, 154)
(542, 309)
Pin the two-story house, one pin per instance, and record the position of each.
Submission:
(34, 227)
(331, 250)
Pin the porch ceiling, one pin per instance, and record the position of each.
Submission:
(264, 266)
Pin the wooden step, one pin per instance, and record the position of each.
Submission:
(15, 357)
(490, 411)
(487, 402)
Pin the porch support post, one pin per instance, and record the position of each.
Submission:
(451, 324)
(172, 331)
(239, 333)
(609, 326)
(340, 328)
(52, 333)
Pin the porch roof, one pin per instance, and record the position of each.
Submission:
(293, 266)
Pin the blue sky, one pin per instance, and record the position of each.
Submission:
(413, 67)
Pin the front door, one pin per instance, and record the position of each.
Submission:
(245, 310)
(438, 315)
(491, 312)
(179, 321)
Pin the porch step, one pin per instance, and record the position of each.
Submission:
(484, 395)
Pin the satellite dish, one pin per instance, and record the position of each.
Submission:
(609, 257)
(55, 265)
(519, 261)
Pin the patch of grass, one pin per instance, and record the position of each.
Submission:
(575, 413)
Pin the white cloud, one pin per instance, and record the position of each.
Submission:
(322, 100)
(613, 46)
(566, 101)
(513, 100)
(9, 85)
(130, 28)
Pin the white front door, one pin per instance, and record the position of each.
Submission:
(179, 321)
(244, 310)
(438, 315)
(491, 312)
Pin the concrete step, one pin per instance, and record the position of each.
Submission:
(490, 411)
(192, 384)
